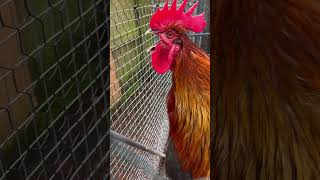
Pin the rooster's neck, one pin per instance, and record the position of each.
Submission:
(191, 69)
(188, 109)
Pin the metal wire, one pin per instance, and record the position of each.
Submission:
(128, 141)
(53, 84)
(138, 94)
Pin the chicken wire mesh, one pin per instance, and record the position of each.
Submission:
(53, 84)
(137, 93)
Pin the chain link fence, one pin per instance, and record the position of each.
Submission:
(138, 94)
(53, 84)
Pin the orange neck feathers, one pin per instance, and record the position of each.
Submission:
(189, 109)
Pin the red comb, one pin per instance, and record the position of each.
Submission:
(167, 16)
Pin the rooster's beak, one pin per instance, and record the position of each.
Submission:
(149, 31)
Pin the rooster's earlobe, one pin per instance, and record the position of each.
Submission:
(177, 41)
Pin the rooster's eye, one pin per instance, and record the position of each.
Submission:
(169, 34)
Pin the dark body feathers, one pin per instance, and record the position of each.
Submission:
(267, 89)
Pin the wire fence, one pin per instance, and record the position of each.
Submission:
(138, 94)
(53, 84)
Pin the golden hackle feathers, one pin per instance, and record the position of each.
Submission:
(189, 109)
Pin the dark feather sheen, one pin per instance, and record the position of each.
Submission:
(267, 89)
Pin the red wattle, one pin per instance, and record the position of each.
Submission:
(162, 58)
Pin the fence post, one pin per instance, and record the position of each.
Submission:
(140, 41)
(115, 91)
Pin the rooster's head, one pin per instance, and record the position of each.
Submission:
(169, 24)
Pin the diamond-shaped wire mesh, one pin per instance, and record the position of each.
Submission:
(138, 94)
(53, 84)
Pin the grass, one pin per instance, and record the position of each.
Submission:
(129, 21)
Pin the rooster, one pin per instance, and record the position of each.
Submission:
(188, 101)
(267, 84)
